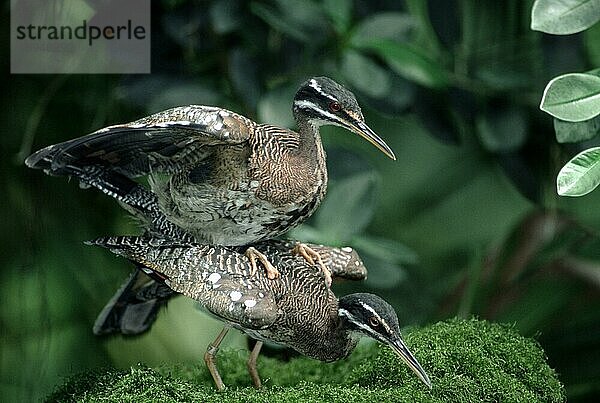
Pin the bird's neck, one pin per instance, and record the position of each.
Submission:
(339, 340)
(310, 140)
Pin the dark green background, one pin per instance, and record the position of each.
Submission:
(467, 221)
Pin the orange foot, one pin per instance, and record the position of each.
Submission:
(253, 255)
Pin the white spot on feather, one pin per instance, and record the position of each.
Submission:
(235, 295)
(347, 249)
(214, 277)
(250, 303)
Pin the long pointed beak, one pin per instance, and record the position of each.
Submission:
(361, 128)
(409, 359)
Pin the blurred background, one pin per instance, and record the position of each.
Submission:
(466, 222)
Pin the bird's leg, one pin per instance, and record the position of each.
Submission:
(253, 254)
(310, 255)
(252, 364)
(210, 358)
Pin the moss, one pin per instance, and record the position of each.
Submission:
(467, 360)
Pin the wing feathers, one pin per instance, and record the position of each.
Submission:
(162, 142)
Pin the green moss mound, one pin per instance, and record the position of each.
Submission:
(467, 360)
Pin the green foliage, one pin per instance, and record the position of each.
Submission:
(468, 360)
(409, 62)
(563, 17)
(466, 221)
(573, 132)
(573, 97)
(581, 174)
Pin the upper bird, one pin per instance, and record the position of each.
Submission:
(215, 176)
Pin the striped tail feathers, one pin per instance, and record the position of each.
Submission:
(134, 307)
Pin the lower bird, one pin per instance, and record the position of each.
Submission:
(298, 309)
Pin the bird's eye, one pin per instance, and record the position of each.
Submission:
(335, 106)
(373, 321)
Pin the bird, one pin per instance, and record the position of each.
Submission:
(134, 307)
(215, 176)
(298, 309)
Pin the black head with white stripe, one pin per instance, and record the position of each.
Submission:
(322, 101)
(371, 316)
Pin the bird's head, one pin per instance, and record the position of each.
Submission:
(371, 316)
(324, 102)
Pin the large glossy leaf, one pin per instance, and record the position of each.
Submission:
(365, 75)
(581, 175)
(572, 132)
(573, 97)
(563, 17)
(409, 62)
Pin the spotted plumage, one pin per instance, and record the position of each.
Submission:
(214, 176)
(133, 308)
(298, 309)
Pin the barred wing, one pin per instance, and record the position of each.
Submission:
(163, 142)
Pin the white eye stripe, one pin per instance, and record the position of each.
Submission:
(316, 108)
(367, 329)
(381, 320)
(314, 84)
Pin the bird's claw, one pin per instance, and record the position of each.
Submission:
(252, 254)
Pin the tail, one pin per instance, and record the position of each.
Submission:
(136, 247)
(137, 199)
(134, 307)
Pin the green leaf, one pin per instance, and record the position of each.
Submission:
(391, 25)
(409, 62)
(364, 74)
(348, 207)
(573, 97)
(340, 12)
(581, 175)
(572, 132)
(564, 17)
